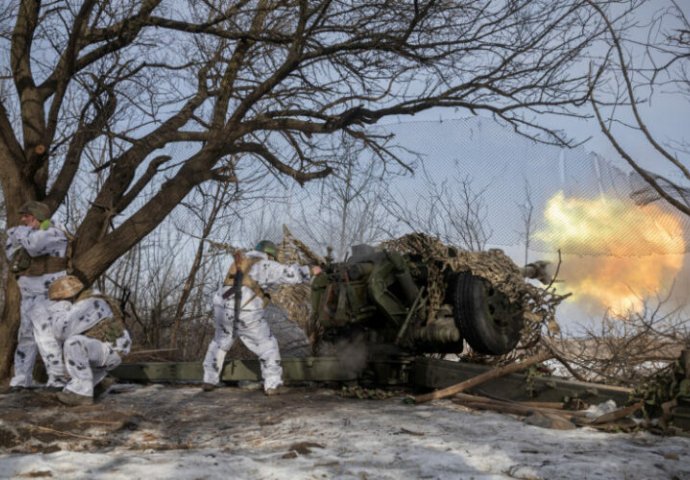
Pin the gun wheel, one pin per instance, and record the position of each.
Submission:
(486, 318)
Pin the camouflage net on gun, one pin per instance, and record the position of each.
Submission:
(538, 304)
(296, 299)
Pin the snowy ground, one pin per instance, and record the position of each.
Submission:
(156, 432)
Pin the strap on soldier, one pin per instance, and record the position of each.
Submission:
(236, 289)
(238, 277)
(237, 286)
(44, 264)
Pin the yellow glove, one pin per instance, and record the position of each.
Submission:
(45, 224)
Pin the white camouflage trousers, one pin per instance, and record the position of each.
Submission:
(36, 334)
(255, 333)
(46, 321)
(88, 361)
(25, 354)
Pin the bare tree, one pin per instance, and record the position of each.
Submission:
(347, 209)
(452, 209)
(261, 80)
(669, 54)
(527, 215)
(217, 200)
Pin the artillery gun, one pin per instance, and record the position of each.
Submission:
(424, 297)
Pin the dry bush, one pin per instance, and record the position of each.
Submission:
(626, 349)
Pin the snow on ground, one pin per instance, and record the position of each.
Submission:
(317, 434)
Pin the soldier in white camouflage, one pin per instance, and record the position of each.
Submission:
(95, 337)
(36, 250)
(239, 311)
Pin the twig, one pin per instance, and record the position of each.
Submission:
(60, 432)
(561, 359)
(156, 350)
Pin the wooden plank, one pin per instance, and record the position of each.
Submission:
(483, 377)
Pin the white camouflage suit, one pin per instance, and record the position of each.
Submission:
(87, 360)
(35, 329)
(252, 327)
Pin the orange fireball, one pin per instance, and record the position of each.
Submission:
(616, 254)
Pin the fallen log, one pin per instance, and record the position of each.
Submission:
(515, 408)
(579, 417)
(484, 377)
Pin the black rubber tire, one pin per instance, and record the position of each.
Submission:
(487, 320)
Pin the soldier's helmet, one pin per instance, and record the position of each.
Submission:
(65, 287)
(38, 209)
(268, 247)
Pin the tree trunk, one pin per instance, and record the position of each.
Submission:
(9, 324)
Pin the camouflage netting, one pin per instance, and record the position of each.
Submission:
(296, 299)
(493, 265)
(539, 304)
(669, 387)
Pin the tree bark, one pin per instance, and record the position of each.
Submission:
(9, 324)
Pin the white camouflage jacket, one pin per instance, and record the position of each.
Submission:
(37, 242)
(268, 274)
(75, 319)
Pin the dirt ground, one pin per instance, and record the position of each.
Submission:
(159, 417)
(179, 432)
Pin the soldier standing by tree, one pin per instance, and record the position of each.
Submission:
(239, 311)
(37, 251)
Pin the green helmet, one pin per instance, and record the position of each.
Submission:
(38, 209)
(268, 247)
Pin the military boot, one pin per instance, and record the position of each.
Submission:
(55, 384)
(4, 390)
(279, 390)
(73, 399)
(103, 386)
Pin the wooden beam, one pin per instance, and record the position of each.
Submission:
(484, 377)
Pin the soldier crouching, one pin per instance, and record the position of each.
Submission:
(95, 338)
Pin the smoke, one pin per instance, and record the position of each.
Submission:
(681, 287)
(351, 353)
